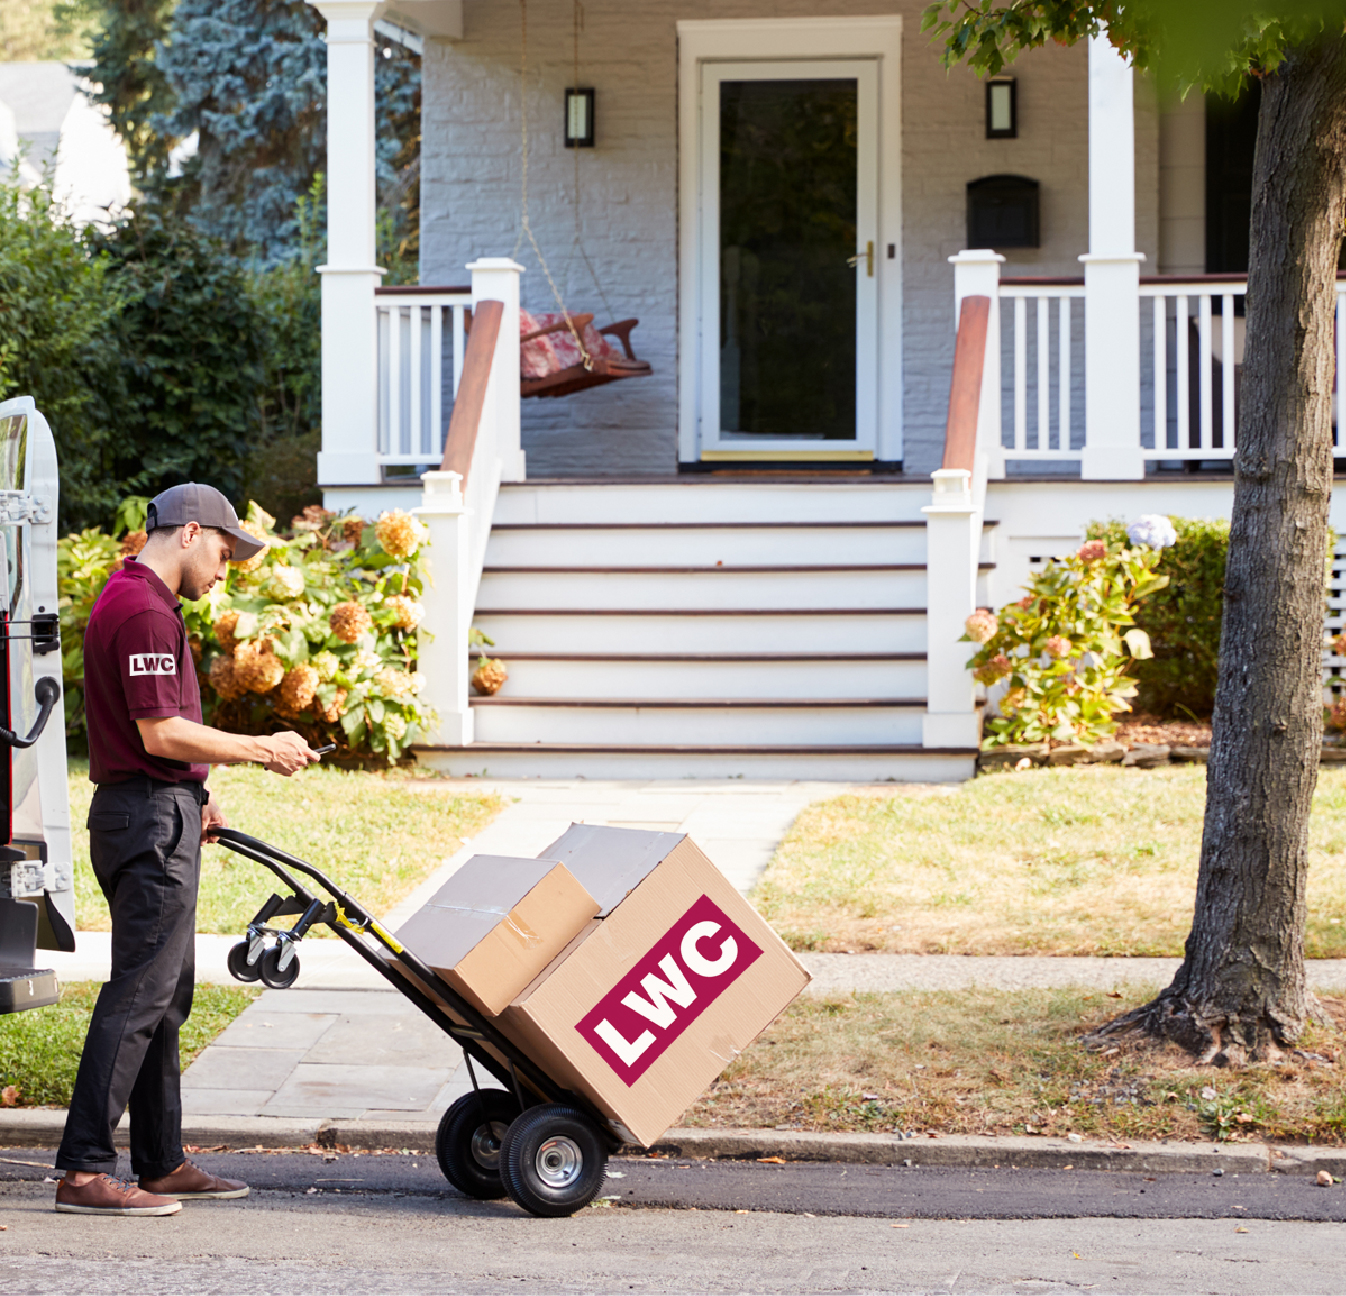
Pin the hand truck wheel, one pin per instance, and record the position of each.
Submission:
(239, 968)
(553, 1160)
(468, 1142)
(272, 973)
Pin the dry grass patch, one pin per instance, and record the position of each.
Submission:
(376, 835)
(1011, 1062)
(1087, 861)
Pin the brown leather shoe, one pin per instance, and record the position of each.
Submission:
(108, 1196)
(190, 1180)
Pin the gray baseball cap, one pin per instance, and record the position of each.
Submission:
(204, 505)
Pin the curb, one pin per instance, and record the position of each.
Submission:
(42, 1127)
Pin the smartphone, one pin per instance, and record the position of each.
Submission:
(322, 751)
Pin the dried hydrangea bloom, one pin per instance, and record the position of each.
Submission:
(982, 625)
(259, 532)
(407, 613)
(297, 690)
(256, 667)
(331, 714)
(224, 679)
(313, 518)
(224, 632)
(284, 583)
(132, 543)
(399, 533)
(489, 676)
(349, 621)
(1092, 551)
(1058, 646)
(352, 529)
(996, 669)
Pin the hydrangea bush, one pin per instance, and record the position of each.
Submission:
(1064, 651)
(317, 633)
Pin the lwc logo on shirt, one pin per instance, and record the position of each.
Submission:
(153, 664)
(690, 966)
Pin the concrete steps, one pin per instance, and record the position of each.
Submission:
(710, 628)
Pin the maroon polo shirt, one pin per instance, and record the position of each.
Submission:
(137, 664)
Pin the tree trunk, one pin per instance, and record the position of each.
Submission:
(1241, 989)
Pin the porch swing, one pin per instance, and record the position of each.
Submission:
(562, 353)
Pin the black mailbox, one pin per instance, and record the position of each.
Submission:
(1002, 212)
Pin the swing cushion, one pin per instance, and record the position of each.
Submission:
(553, 352)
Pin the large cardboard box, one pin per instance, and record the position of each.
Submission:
(496, 924)
(648, 1005)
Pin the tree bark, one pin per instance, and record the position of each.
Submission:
(1241, 990)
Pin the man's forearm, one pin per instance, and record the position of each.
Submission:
(179, 739)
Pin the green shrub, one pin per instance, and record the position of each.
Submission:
(1066, 648)
(316, 634)
(1182, 619)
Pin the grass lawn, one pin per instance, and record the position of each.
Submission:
(1082, 861)
(1010, 1062)
(39, 1049)
(375, 835)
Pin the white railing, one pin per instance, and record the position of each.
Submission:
(1042, 367)
(416, 388)
(1190, 342)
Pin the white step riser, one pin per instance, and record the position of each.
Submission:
(712, 725)
(683, 590)
(712, 634)
(769, 547)
(679, 679)
(713, 502)
(900, 768)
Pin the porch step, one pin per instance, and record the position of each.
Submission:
(851, 763)
(736, 675)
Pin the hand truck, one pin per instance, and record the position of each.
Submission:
(531, 1140)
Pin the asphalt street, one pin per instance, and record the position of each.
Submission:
(350, 1223)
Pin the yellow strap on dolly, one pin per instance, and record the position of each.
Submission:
(371, 925)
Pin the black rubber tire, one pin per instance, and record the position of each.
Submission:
(553, 1160)
(238, 963)
(467, 1143)
(278, 980)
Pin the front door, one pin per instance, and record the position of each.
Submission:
(790, 260)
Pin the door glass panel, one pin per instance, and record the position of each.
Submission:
(788, 176)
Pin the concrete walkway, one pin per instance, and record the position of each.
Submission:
(342, 1046)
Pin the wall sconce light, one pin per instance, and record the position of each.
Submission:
(579, 117)
(1002, 109)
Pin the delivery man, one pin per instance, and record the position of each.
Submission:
(149, 755)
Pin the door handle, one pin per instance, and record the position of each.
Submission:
(867, 256)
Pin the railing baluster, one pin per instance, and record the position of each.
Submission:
(1020, 374)
(1183, 352)
(415, 434)
(1044, 374)
(1063, 375)
(1205, 375)
(436, 438)
(381, 410)
(395, 378)
(459, 333)
(1160, 372)
(1227, 370)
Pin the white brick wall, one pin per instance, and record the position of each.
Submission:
(470, 169)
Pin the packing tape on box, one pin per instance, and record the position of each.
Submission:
(527, 936)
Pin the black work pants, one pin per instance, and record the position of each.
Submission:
(145, 844)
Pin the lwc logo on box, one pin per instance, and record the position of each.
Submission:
(688, 969)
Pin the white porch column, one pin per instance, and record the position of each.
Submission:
(953, 541)
(448, 607)
(497, 279)
(1111, 274)
(977, 274)
(349, 455)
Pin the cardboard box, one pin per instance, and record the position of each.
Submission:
(496, 924)
(648, 1005)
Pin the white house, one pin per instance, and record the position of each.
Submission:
(736, 564)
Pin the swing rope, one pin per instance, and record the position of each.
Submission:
(525, 226)
(578, 244)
